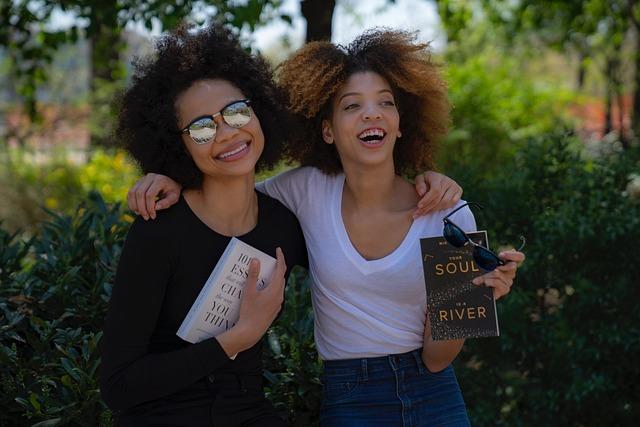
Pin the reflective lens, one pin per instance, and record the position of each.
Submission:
(454, 235)
(203, 129)
(237, 114)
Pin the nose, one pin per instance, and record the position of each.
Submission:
(372, 112)
(224, 132)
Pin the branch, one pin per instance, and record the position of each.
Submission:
(632, 17)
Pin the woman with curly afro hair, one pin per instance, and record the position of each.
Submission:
(206, 113)
(367, 114)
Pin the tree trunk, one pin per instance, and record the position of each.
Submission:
(635, 112)
(582, 70)
(105, 45)
(624, 138)
(319, 16)
(608, 123)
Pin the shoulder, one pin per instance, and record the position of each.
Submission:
(279, 226)
(275, 209)
(298, 177)
(298, 187)
(167, 223)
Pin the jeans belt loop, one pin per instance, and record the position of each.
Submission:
(365, 373)
(417, 355)
(393, 362)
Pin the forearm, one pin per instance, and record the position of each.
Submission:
(437, 355)
(130, 381)
(236, 340)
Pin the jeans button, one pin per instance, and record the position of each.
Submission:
(211, 378)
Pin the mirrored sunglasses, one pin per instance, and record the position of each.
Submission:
(203, 129)
(483, 257)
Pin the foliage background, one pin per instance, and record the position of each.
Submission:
(570, 339)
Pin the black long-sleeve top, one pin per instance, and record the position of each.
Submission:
(163, 266)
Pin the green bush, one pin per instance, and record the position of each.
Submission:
(493, 113)
(569, 344)
(292, 366)
(58, 180)
(570, 334)
(53, 294)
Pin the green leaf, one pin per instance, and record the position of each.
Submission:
(48, 423)
(66, 364)
(33, 398)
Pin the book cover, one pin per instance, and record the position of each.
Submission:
(457, 308)
(217, 307)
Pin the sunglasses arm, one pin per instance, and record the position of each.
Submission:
(463, 206)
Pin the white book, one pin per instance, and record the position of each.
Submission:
(217, 307)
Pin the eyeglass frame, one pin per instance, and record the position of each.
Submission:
(184, 130)
(446, 220)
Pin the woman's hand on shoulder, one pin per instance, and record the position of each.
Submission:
(437, 192)
(151, 193)
(501, 279)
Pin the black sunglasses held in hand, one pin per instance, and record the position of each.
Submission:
(483, 257)
(203, 129)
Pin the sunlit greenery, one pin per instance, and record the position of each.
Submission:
(570, 334)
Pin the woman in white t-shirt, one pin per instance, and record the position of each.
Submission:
(369, 113)
(374, 111)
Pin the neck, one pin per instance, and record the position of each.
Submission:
(228, 205)
(372, 187)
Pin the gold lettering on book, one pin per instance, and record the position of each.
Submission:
(462, 313)
(456, 267)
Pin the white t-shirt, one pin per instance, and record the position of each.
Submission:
(362, 308)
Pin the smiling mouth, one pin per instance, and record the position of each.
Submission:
(372, 136)
(234, 154)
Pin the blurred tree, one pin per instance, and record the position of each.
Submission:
(319, 17)
(593, 29)
(455, 17)
(30, 41)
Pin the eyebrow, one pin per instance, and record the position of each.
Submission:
(359, 93)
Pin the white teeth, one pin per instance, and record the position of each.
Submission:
(372, 132)
(232, 152)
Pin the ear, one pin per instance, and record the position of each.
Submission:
(327, 132)
(399, 134)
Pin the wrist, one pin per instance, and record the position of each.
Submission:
(236, 340)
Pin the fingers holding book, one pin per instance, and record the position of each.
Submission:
(501, 279)
(261, 303)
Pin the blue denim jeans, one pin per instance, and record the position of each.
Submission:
(389, 391)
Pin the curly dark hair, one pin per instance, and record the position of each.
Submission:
(315, 73)
(148, 120)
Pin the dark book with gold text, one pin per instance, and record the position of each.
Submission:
(457, 308)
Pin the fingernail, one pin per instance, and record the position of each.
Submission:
(476, 281)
